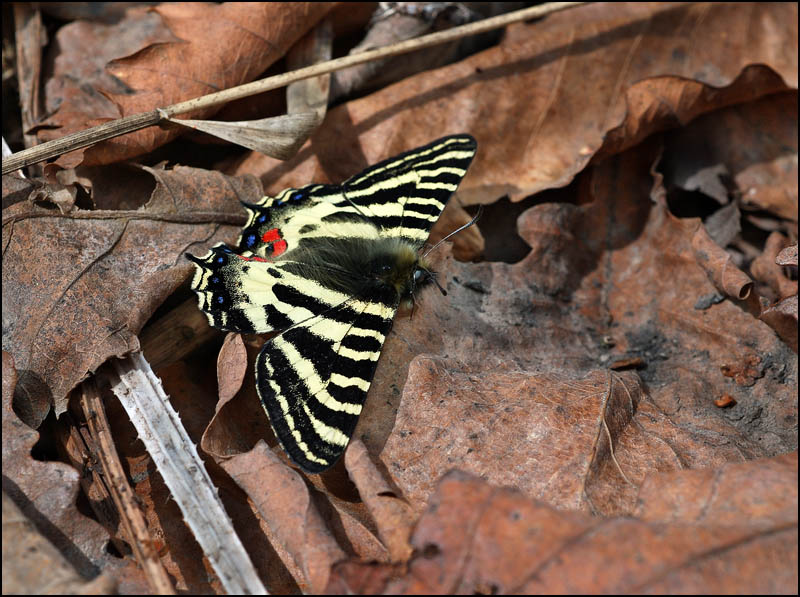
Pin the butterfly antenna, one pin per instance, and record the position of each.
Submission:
(454, 232)
(439, 286)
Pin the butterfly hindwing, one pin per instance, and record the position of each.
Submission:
(247, 294)
(313, 379)
(327, 266)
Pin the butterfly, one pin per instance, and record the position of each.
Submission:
(327, 266)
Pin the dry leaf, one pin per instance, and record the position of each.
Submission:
(727, 278)
(391, 513)
(45, 492)
(284, 502)
(754, 144)
(766, 268)
(475, 538)
(63, 277)
(231, 367)
(26, 553)
(214, 47)
(596, 75)
(782, 317)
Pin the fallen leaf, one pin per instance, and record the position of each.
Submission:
(766, 268)
(64, 277)
(213, 47)
(27, 553)
(755, 145)
(787, 256)
(45, 492)
(782, 317)
(231, 367)
(476, 538)
(284, 502)
(759, 493)
(594, 76)
(390, 512)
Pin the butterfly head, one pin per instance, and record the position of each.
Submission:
(402, 269)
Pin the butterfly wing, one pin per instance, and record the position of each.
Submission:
(248, 294)
(405, 194)
(276, 225)
(402, 196)
(313, 379)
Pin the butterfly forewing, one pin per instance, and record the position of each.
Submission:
(408, 192)
(306, 267)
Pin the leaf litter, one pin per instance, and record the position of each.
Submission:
(570, 477)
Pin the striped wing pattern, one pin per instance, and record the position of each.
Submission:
(313, 377)
(239, 293)
(402, 196)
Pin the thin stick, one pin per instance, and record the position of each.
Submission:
(135, 122)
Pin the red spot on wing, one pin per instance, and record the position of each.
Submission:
(277, 244)
(279, 247)
(271, 235)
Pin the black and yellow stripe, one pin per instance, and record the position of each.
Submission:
(327, 266)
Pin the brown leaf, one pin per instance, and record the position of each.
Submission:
(45, 492)
(475, 538)
(213, 47)
(65, 278)
(728, 279)
(391, 512)
(239, 423)
(504, 427)
(360, 578)
(27, 553)
(624, 68)
(755, 146)
(787, 256)
(75, 95)
(766, 268)
(760, 493)
(782, 317)
(284, 502)
(231, 367)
